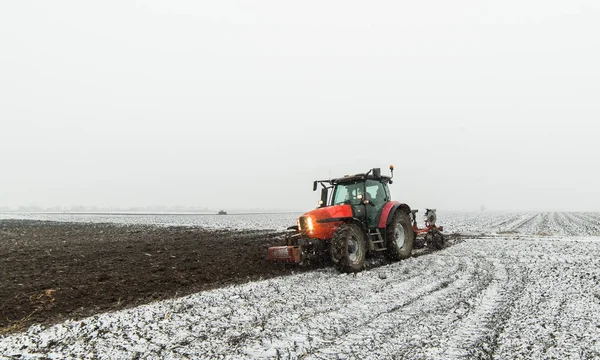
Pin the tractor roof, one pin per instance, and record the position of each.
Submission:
(373, 174)
(359, 177)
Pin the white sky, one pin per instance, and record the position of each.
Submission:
(242, 104)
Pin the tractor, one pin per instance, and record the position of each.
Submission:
(356, 216)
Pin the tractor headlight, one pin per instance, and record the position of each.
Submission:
(309, 225)
(306, 224)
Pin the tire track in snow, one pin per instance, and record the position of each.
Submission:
(474, 332)
(319, 315)
(393, 333)
(477, 334)
(317, 330)
(475, 306)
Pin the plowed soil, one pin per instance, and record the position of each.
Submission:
(52, 271)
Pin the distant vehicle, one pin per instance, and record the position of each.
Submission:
(222, 212)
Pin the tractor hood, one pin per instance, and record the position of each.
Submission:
(330, 212)
(321, 223)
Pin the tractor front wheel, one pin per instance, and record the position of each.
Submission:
(348, 248)
(400, 237)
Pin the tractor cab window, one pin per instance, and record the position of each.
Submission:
(348, 194)
(376, 192)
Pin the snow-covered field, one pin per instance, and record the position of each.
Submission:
(530, 288)
(453, 222)
(549, 223)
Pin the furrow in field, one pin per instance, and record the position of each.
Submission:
(349, 313)
(591, 217)
(577, 222)
(554, 225)
(520, 222)
(543, 228)
(531, 226)
(476, 335)
(590, 225)
(476, 223)
(406, 331)
(568, 226)
(558, 314)
(503, 222)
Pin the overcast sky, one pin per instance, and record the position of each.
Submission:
(242, 104)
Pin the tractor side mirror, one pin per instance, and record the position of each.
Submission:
(315, 186)
(324, 194)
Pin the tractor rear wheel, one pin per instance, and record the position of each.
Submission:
(348, 248)
(400, 237)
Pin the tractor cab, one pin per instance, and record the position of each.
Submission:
(365, 193)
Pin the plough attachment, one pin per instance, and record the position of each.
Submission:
(433, 238)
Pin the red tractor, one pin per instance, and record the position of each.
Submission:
(355, 216)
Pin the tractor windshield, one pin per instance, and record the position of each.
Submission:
(348, 194)
(376, 192)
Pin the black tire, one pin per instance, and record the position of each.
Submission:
(348, 248)
(400, 230)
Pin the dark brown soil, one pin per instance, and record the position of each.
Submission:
(52, 271)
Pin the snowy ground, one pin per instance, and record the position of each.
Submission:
(464, 223)
(550, 223)
(496, 296)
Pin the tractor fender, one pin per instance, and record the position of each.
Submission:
(389, 210)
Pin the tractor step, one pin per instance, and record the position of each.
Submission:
(376, 240)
